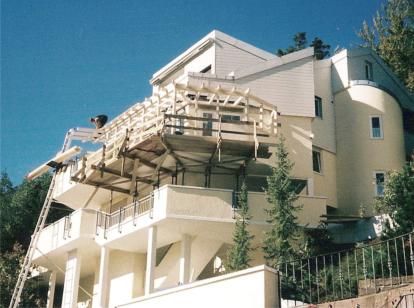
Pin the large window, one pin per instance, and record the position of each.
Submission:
(368, 71)
(376, 127)
(379, 182)
(230, 117)
(317, 160)
(318, 107)
(208, 125)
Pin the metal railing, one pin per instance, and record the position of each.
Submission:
(346, 274)
(106, 221)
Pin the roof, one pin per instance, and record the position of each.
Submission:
(204, 44)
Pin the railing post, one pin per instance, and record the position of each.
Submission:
(106, 225)
(120, 220)
(97, 223)
(135, 213)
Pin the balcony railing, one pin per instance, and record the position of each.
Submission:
(76, 225)
(132, 211)
(346, 274)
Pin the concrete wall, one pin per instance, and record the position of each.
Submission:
(358, 156)
(325, 182)
(126, 276)
(324, 129)
(224, 291)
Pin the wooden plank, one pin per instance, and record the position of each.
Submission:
(118, 174)
(215, 130)
(149, 163)
(103, 186)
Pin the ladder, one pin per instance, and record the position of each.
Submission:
(24, 271)
(82, 134)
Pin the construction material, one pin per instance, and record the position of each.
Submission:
(55, 161)
(32, 247)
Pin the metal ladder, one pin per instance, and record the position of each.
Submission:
(82, 134)
(24, 271)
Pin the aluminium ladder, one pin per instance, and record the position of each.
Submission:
(83, 134)
(24, 271)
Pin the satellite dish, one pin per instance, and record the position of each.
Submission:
(99, 120)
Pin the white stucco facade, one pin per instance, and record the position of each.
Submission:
(155, 206)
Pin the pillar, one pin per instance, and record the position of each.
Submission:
(151, 254)
(103, 282)
(185, 259)
(310, 187)
(51, 291)
(72, 274)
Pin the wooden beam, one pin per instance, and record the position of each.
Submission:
(149, 163)
(118, 174)
(103, 186)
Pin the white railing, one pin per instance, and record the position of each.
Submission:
(105, 221)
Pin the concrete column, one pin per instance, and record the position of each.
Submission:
(72, 274)
(51, 291)
(151, 254)
(310, 187)
(185, 259)
(103, 282)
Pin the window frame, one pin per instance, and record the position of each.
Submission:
(369, 71)
(319, 151)
(208, 125)
(318, 105)
(375, 173)
(371, 128)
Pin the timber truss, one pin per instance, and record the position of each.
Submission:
(184, 128)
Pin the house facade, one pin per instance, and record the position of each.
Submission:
(155, 205)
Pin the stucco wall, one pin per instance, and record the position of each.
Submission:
(325, 182)
(358, 156)
(126, 276)
(260, 284)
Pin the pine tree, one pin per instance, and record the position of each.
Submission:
(238, 256)
(392, 37)
(281, 194)
(321, 50)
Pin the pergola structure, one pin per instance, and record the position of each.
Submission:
(184, 128)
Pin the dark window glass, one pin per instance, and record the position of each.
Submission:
(207, 125)
(316, 159)
(376, 127)
(318, 107)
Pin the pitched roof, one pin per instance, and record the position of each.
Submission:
(204, 44)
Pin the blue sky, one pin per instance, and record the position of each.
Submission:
(65, 61)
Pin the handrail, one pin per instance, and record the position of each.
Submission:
(349, 273)
(106, 221)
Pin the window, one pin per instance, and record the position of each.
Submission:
(230, 117)
(317, 162)
(206, 69)
(208, 125)
(318, 107)
(368, 71)
(379, 183)
(376, 127)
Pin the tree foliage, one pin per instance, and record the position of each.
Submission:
(20, 207)
(238, 257)
(278, 244)
(398, 201)
(321, 50)
(391, 36)
(34, 293)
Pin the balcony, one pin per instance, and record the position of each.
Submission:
(73, 231)
(184, 128)
(206, 212)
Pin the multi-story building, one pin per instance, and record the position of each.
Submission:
(155, 205)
